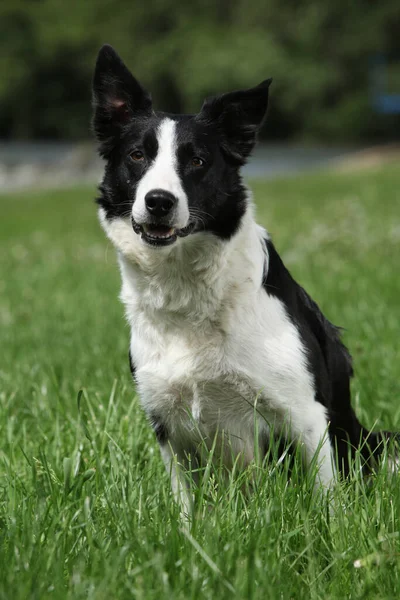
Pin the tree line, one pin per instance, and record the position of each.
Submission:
(319, 54)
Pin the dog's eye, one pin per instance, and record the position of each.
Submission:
(137, 156)
(197, 162)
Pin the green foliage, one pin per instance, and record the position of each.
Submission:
(85, 503)
(317, 52)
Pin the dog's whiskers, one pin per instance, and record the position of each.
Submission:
(200, 216)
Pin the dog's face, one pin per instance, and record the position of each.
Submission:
(172, 175)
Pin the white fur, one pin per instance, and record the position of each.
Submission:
(208, 343)
(163, 175)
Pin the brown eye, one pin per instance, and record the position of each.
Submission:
(197, 162)
(137, 156)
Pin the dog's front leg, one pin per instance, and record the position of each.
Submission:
(311, 431)
(318, 452)
(176, 463)
(177, 468)
(307, 426)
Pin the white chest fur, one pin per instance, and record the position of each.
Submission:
(208, 342)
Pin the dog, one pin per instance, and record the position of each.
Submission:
(223, 339)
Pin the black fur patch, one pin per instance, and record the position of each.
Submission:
(122, 174)
(132, 366)
(216, 195)
(159, 428)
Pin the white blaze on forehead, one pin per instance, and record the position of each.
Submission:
(163, 175)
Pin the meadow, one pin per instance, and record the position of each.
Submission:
(85, 504)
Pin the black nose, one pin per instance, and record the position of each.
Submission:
(159, 202)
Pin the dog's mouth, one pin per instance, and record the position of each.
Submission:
(157, 234)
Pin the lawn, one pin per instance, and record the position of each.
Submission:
(85, 505)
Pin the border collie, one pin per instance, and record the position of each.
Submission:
(223, 340)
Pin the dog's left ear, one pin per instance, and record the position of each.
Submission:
(238, 117)
(118, 98)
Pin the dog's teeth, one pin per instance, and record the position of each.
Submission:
(151, 231)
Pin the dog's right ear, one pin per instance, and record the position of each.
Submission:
(238, 116)
(117, 98)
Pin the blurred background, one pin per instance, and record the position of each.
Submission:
(336, 70)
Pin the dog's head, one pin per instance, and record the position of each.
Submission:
(172, 175)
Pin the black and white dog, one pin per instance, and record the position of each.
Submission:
(223, 340)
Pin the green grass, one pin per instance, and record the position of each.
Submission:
(85, 505)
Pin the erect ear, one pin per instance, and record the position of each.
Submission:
(238, 117)
(117, 97)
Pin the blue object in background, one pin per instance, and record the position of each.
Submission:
(383, 100)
